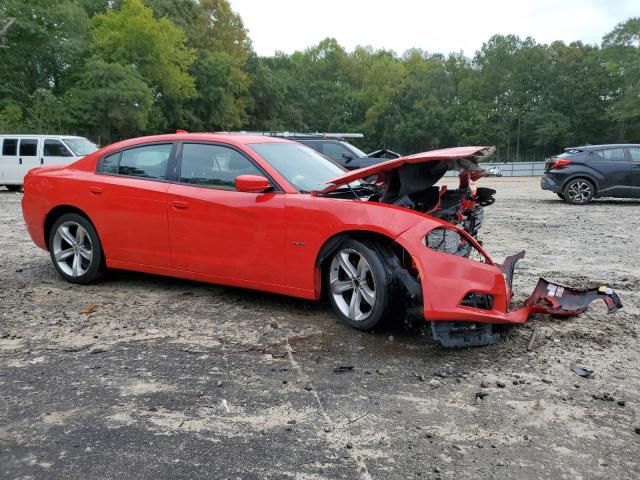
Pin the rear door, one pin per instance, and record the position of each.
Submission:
(28, 156)
(9, 162)
(634, 154)
(54, 152)
(615, 167)
(128, 204)
(216, 230)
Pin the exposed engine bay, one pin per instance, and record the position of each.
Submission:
(413, 186)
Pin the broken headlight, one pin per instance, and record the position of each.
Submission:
(449, 241)
(444, 240)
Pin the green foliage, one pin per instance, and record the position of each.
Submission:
(156, 48)
(110, 101)
(11, 119)
(111, 69)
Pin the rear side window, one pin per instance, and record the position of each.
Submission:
(55, 148)
(150, 161)
(28, 147)
(10, 147)
(110, 163)
(635, 153)
(213, 166)
(613, 154)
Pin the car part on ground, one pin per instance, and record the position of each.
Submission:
(581, 174)
(273, 215)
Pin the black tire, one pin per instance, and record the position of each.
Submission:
(14, 188)
(579, 191)
(380, 281)
(561, 195)
(88, 270)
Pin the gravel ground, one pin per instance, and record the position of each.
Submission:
(149, 377)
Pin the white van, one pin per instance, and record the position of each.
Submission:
(20, 153)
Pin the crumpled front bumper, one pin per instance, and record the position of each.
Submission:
(447, 280)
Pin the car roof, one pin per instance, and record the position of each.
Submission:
(38, 135)
(600, 147)
(222, 137)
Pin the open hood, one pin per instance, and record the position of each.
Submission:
(457, 158)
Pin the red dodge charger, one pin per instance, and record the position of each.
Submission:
(274, 215)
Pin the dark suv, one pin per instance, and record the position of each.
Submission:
(581, 174)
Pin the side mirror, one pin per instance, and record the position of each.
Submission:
(348, 157)
(252, 183)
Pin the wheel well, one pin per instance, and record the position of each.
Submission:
(582, 177)
(56, 213)
(394, 248)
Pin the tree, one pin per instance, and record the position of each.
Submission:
(110, 101)
(156, 48)
(626, 34)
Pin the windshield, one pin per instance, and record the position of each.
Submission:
(303, 167)
(80, 146)
(359, 153)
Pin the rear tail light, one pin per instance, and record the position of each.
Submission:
(559, 163)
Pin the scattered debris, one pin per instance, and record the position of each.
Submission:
(224, 404)
(480, 395)
(90, 309)
(342, 369)
(434, 383)
(583, 372)
(501, 384)
(533, 338)
(546, 380)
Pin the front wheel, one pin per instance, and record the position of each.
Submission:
(579, 191)
(359, 284)
(75, 249)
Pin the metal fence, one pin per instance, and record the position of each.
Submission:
(513, 169)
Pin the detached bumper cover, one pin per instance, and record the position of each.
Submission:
(448, 281)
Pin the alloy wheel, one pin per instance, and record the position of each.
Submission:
(72, 249)
(352, 284)
(579, 192)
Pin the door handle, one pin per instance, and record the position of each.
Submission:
(180, 205)
(95, 190)
(41, 161)
(20, 161)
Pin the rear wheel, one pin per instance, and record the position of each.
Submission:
(75, 249)
(579, 191)
(14, 188)
(359, 284)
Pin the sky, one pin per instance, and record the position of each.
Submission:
(441, 26)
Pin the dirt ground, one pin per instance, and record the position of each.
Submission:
(148, 377)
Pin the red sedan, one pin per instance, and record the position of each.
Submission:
(274, 215)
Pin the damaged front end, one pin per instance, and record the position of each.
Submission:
(467, 297)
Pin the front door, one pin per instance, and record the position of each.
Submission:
(55, 153)
(27, 156)
(219, 231)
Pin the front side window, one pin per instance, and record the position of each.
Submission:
(613, 154)
(213, 166)
(55, 148)
(335, 151)
(150, 161)
(303, 167)
(28, 147)
(10, 147)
